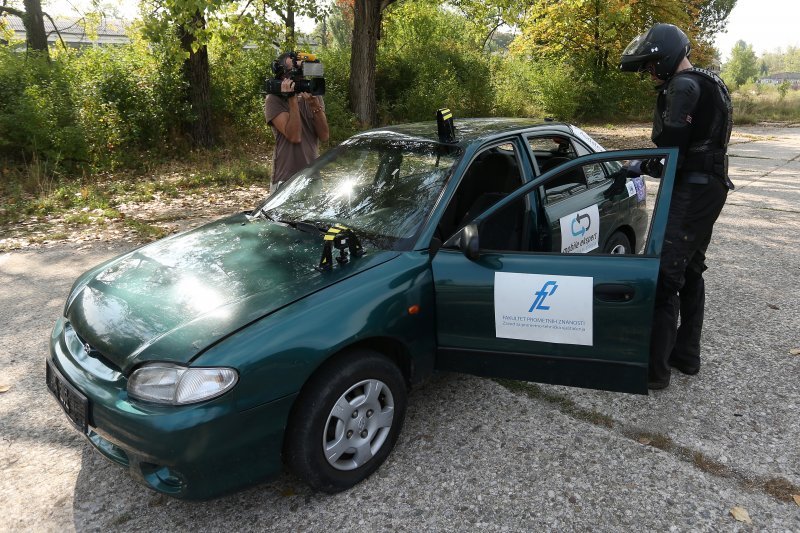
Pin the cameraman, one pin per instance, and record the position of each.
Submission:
(298, 122)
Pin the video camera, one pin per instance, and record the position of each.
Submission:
(306, 72)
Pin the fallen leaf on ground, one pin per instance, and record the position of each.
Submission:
(794, 351)
(4, 388)
(773, 306)
(796, 498)
(741, 515)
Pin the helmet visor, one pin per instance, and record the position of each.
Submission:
(638, 53)
(635, 46)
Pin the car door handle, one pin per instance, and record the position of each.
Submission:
(614, 292)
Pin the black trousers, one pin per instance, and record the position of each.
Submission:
(680, 290)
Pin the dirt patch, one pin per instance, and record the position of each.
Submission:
(137, 223)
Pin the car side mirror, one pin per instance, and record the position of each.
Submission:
(469, 242)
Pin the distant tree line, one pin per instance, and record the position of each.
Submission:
(744, 65)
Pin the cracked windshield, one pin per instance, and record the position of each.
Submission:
(382, 188)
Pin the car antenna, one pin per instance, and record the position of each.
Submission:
(343, 239)
(445, 125)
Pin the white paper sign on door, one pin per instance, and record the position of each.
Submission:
(580, 231)
(544, 308)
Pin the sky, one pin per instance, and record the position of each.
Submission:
(765, 24)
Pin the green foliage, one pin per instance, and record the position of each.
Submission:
(783, 88)
(742, 66)
(96, 108)
(109, 108)
(781, 61)
(517, 88)
(341, 121)
(424, 64)
(754, 102)
(237, 82)
(126, 102)
(37, 113)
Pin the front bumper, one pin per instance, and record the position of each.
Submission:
(194, 451)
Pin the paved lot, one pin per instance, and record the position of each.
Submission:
(477, 454)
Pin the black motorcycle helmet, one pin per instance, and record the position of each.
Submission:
(664, 45)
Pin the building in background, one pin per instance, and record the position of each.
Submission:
(72, 30)
(793, 78)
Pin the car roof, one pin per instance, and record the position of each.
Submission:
(468, 130)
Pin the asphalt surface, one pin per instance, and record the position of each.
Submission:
(477, 454)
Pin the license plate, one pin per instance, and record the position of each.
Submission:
(75, 404)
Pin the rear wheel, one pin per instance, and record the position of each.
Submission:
(346, 421)
(618, 243)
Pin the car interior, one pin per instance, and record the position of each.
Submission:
(552, 152)
(492, 175)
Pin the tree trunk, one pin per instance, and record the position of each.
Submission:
(290, 39)
(363, 58)
(34, 26)
(198, 87)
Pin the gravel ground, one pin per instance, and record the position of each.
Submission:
(478, 454)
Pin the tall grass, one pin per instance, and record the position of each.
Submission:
(754, 103)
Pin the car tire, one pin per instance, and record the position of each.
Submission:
(346, 421)
(618, 243)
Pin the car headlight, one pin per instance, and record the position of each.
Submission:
(179, 385)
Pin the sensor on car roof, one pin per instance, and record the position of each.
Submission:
(447, 129)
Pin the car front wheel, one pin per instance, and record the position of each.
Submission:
(346, 421)
(618, 243)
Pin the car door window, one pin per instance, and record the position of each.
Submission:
(493, 173)
(608, 215)
(611, 215)
(551, 151)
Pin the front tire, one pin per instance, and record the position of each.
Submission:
(346, 421)
(618, 243)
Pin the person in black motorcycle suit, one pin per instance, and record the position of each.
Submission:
(693, 113)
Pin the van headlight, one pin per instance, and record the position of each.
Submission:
(179, 385)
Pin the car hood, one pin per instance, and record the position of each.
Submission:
(171, 299)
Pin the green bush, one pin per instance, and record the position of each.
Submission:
(517, 89)
(95, 108)
(38, 118)
(341, 121)
(237, 80)
(424, 64)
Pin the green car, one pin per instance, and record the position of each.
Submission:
(291, 333)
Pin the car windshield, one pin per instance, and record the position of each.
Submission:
(382, 188)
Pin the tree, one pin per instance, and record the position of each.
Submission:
(594, 32)
(487, 17)
(367, 17)
(742, 66)
(286, 11)
(33, 18)
(780, 61)
(188, 20)
(339, 23)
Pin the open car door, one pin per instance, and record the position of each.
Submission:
(579, 318)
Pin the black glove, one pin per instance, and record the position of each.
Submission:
(651, 167)
(620, 177)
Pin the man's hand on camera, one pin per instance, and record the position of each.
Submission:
(287, 87)
(312, 102)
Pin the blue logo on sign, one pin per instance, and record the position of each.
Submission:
(578, 228)
(541, 294)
